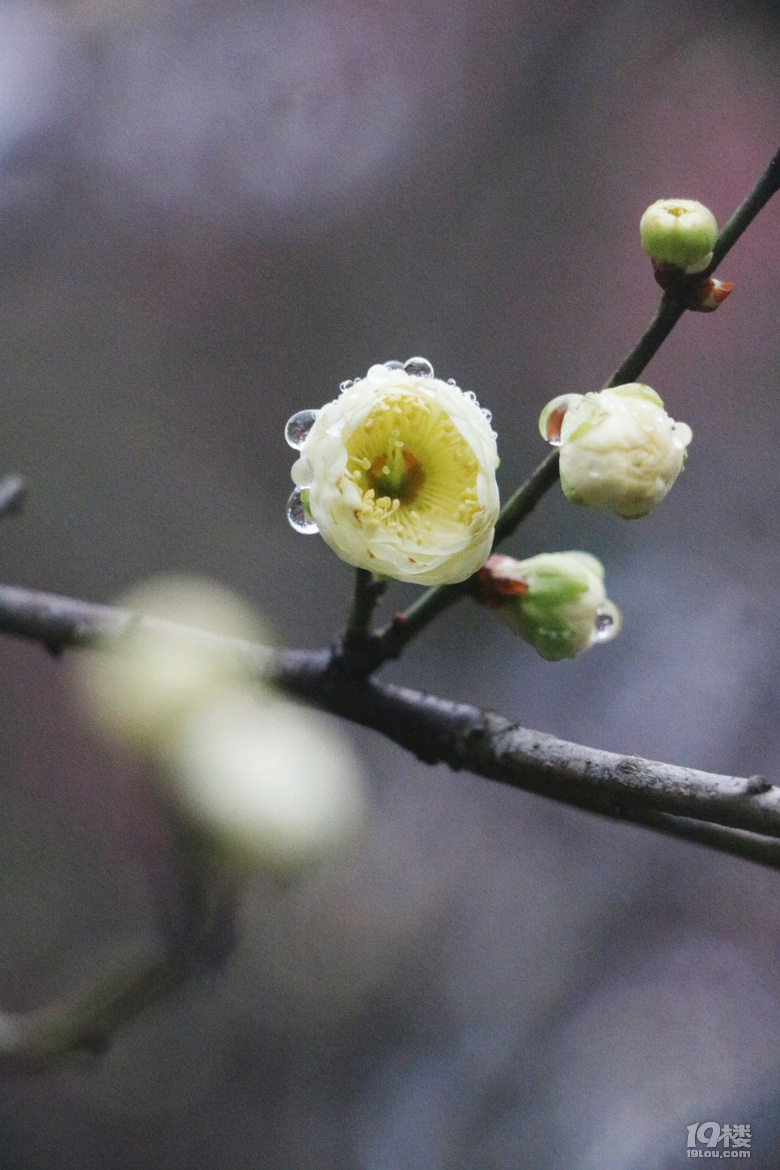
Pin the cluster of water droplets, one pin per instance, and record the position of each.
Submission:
(296, 432)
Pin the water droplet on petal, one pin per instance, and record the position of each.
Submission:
(470, 395)
(607, 623)
(298, 514)
(419, 367)
(393, 365)
(346, 385)
(296, 432)
(488, 415)
(451, 382)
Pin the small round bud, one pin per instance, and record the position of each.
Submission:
(554, 601)
(680, 232)
(620, 450)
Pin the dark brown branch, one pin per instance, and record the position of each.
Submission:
(441, 731)
(625, 787)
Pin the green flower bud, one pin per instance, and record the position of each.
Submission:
(680, 232)
(555, 601)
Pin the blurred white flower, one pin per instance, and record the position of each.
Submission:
(266, 781)
(140, 686)
(554, 601)
(273, 783)
(400, 478)
(680, 232)
(620, 450)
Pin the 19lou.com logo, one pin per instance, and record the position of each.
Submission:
(708, 1139)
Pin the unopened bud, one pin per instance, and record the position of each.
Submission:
(680, 232)
(620, 450)
(554, 601)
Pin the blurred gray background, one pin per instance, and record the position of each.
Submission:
(213, 212)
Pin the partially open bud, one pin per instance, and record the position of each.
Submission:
(554, 601)
(620, 450)
(680, 232)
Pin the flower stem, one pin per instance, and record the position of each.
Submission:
(368, 591)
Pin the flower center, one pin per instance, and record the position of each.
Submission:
(397, 475)
(413, 469)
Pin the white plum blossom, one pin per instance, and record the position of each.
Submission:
(620, 450)
(681, 232)
(555, 601)
(399, 475)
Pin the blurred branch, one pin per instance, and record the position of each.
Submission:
(201, 937)
(392, 639)
(36, 1040)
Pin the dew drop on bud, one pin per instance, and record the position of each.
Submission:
(297, 513)
(607, 623)
(394, 365)
(346, 385)
(418, 367)
(297, 429)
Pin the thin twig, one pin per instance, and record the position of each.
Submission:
(666, 316)
(392, 639)
(767, 186)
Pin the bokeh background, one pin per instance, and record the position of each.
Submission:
(211, 213)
